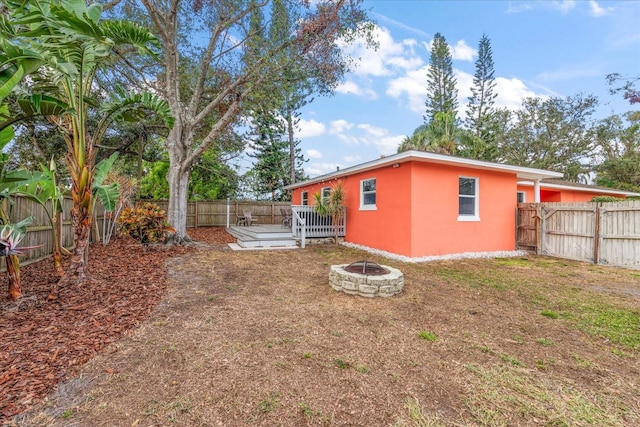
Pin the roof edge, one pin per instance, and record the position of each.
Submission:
(424, 156)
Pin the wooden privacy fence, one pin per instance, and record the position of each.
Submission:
(199, 214)
(207, 213)
(601, 233)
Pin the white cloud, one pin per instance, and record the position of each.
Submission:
(572, 72)
(350, 87)
(352, 159)
(414, 85)
(511, 92)
(339, 126)
(519, 6)
(596, 10)
(402, 25)
(314, 154)
(380, 138)
(315, 169)
(383, 61)
(462, 51)
(310, 128)
(564, 6)
(370, 135)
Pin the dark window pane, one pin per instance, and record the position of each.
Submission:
(467, 206)
(520, 197)
(369, 185)
(369, 199)
(467, 187)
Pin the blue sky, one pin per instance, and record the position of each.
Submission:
(540, 48)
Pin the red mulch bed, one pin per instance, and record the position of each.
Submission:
(43, 342)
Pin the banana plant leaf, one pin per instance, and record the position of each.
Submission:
(108, 194)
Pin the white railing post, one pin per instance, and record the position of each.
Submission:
(296, 218)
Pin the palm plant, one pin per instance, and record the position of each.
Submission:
(439, 136)
(44, 190)
(70, 40)
(332, 206)
(10, 237)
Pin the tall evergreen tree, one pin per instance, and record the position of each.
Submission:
(481, 112)
(294, 89)
(271, 151)
(442, 94)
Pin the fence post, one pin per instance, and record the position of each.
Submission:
(228, 212)
(540, 229)
(596, 237)
(195, 217)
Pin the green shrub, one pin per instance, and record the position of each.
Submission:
(146, 223)
(605, 199)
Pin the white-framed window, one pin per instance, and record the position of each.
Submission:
(368, 194)
(326, 194)
(304, 198)
(522, 197)
(468, 199)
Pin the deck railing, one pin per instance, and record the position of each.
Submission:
(316, 224)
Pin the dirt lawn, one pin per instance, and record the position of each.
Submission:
(259, 338)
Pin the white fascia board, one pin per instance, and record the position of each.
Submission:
(583, 189)
(423, 156)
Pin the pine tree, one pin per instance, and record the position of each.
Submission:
(271, 151)
(441, 83)
(480, 109)
(293, 90)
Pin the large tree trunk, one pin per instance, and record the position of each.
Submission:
(178, 178)
(81, 223)
(292, 148)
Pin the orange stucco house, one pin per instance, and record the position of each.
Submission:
(419, 204)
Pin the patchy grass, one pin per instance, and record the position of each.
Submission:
(502, 394)
(550, 314)
(279, 347)
(427, 336)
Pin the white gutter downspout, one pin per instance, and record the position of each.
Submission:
(536, 191)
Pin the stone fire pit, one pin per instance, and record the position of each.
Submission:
(366, 279)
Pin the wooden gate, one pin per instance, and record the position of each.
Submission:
(528, 227)
(569, 231)
(619, 234)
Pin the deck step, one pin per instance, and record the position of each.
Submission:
(266, 243)
(263, 236)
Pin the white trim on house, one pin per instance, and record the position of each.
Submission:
(325, 197)
(476, 200)
(363, 206)
(396, 160)
(594, 189)
(524, 196)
